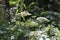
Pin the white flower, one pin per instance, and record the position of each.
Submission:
(12, 37)
(24, 13)
(31, 33)
(40, 38)
(47, 39)
(42, 19)
(54, 31)
(35, 33)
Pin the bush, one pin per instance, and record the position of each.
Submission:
(31, 22)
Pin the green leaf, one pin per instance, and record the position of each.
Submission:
(12, 2)
(47, 28)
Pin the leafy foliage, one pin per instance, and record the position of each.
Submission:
(29, 22)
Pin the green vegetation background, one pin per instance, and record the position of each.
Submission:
(30, 20)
